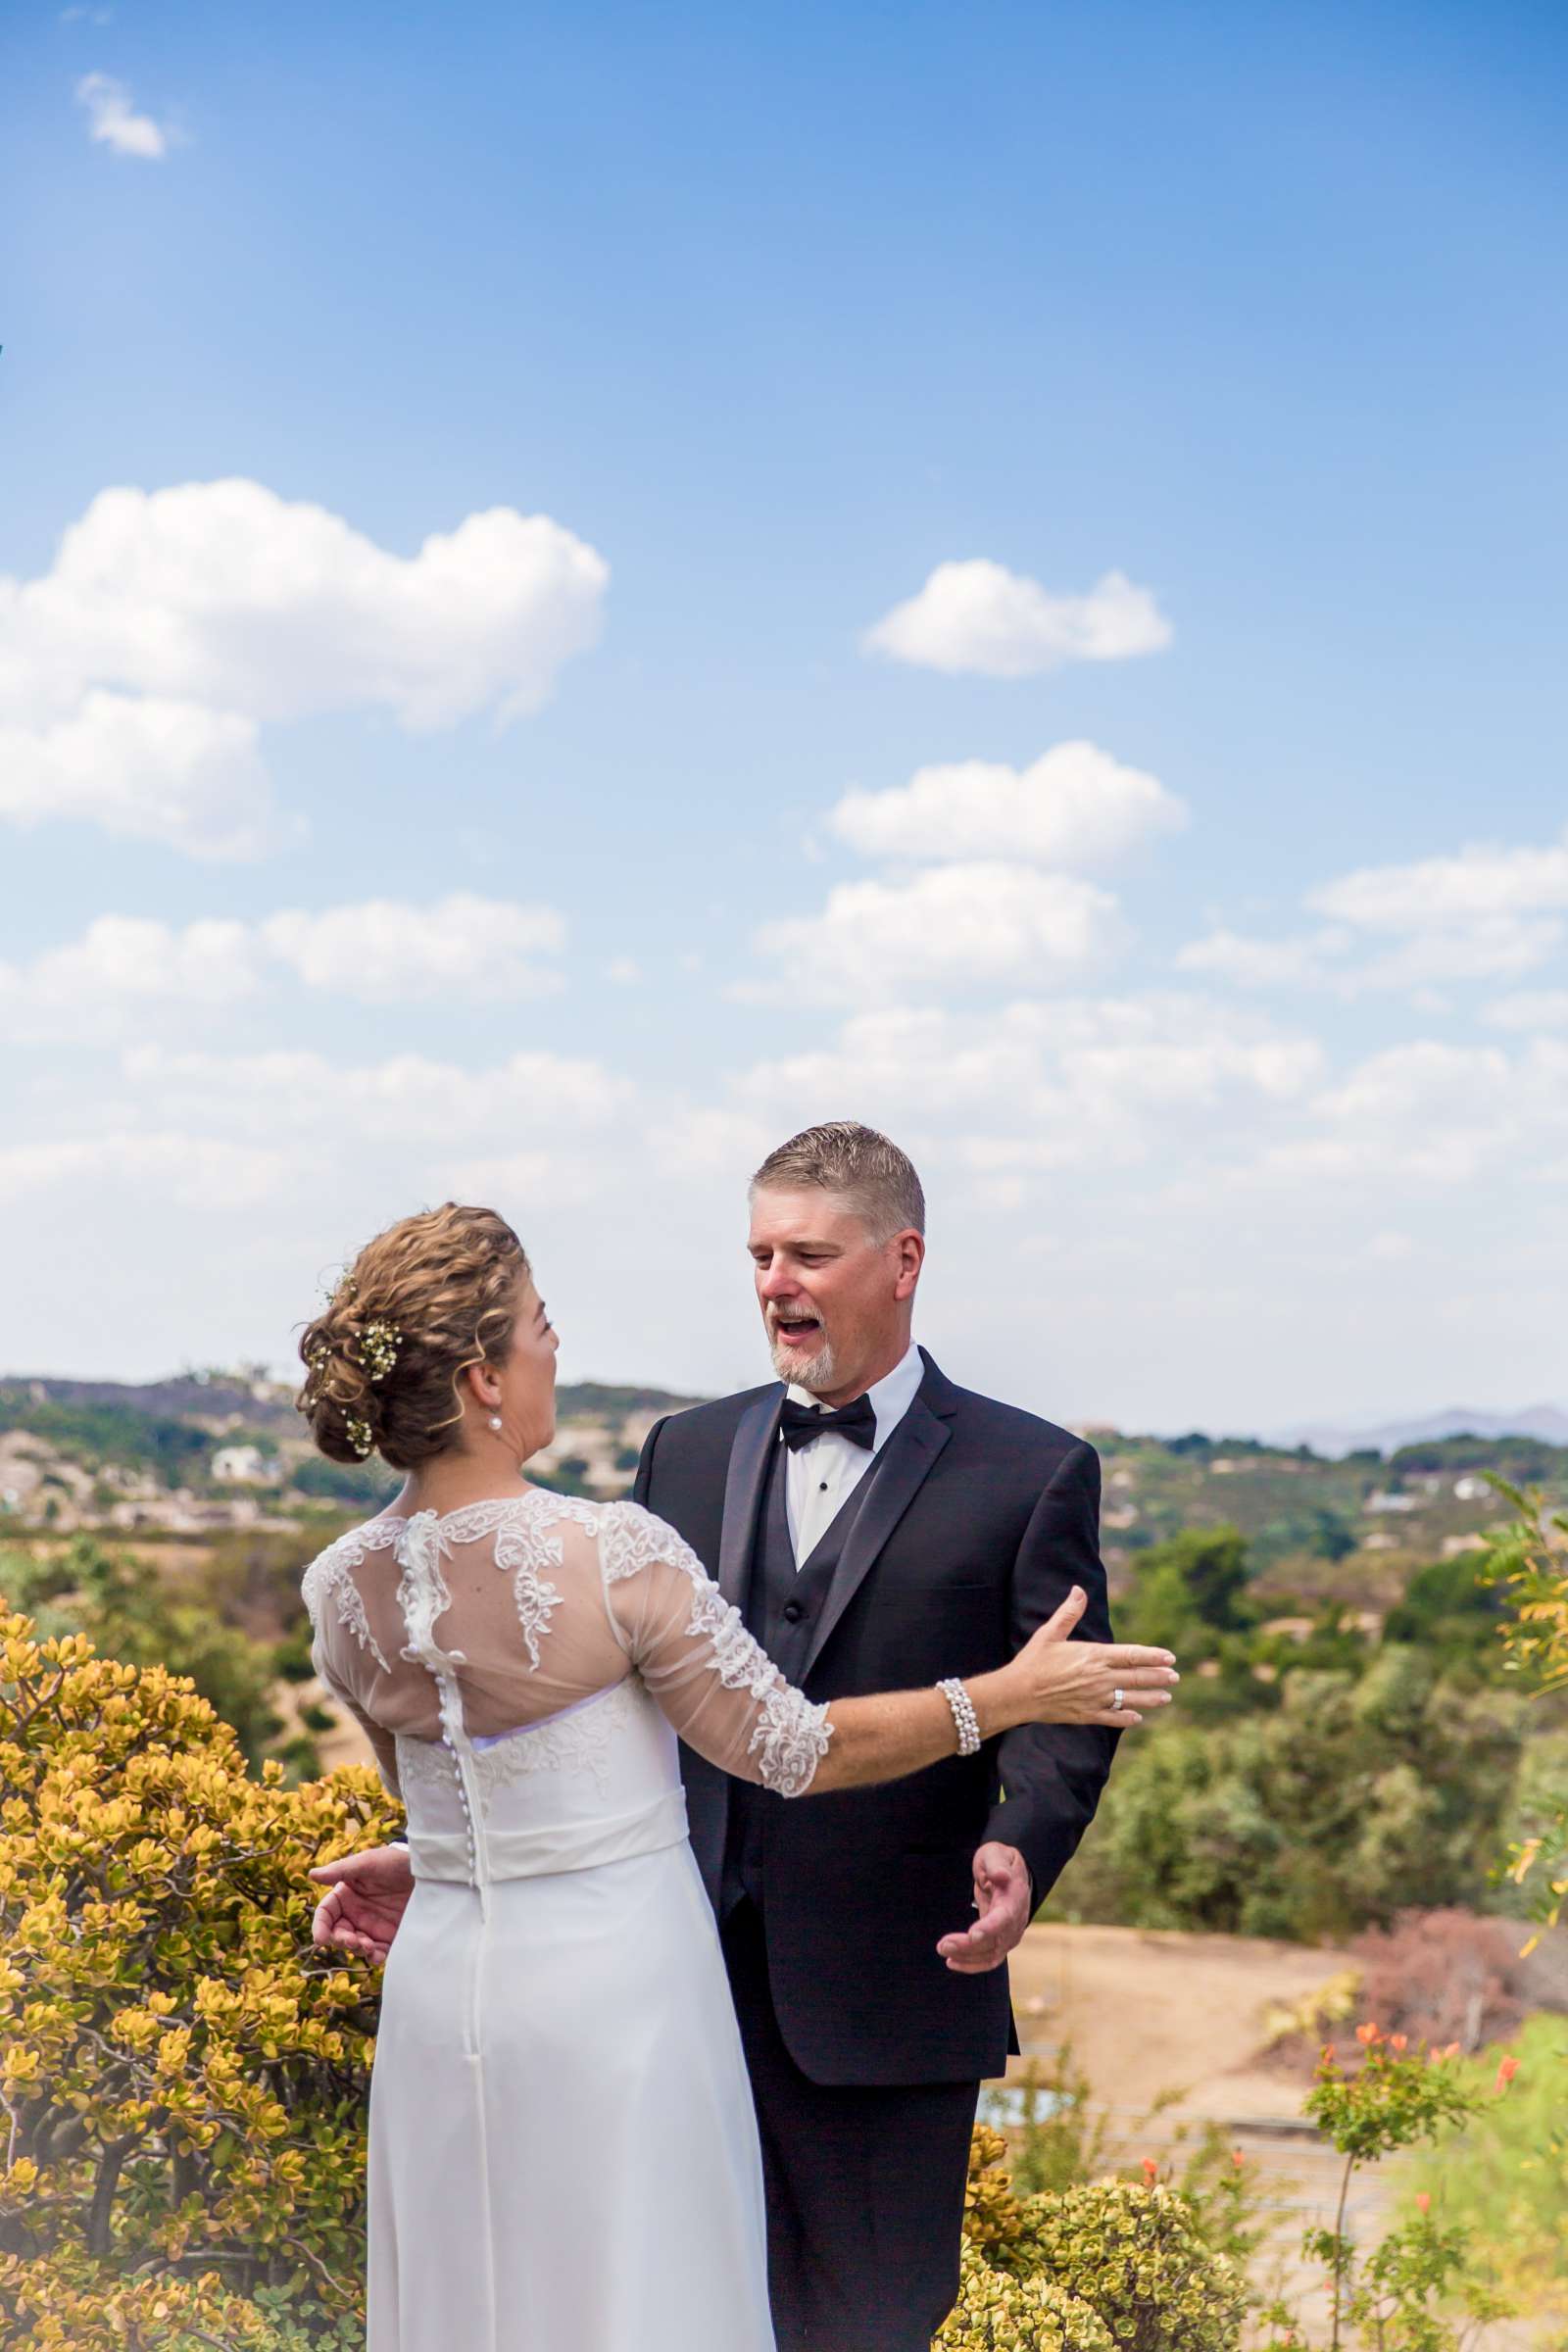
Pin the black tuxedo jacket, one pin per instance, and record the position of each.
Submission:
(975, 1529)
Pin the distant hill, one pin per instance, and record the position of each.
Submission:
(211, 1449)
(183, 1396)
(1548, 1422)
(261, 1402)
(600, 1399)
(222, 1449)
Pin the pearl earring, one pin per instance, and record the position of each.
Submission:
(495, 1423)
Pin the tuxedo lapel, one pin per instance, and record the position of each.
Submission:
(751, 1451)
(895, 1481)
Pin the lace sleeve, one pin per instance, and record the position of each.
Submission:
(383, 1747)
(719, 1688)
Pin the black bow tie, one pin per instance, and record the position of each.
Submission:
(801, 1423)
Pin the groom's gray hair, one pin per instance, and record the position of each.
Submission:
(843, 1156)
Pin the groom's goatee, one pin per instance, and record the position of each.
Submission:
(816, 1372)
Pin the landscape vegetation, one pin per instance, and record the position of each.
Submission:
(1371, 1758)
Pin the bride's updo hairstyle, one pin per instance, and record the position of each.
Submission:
(426, 1299)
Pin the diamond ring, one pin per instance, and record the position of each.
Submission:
(1117, 1699)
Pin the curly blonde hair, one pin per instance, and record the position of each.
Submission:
(427, 1298)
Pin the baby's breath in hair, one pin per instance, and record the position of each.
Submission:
(378, 1345)
(360, 1434)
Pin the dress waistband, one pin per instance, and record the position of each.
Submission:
(552, 1847)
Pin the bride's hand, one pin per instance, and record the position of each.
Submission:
(1061, 1681)
(367, 1896)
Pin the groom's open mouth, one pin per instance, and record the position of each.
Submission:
(795, 1330)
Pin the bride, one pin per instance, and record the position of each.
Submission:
(563, 2155)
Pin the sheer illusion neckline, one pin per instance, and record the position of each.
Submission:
(480, 1503)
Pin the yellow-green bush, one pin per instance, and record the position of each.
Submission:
(1106, 2264)
(1137, 2257)
(998, 2313)
(183, 2079)
(68, 2303)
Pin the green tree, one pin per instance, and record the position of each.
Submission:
(121, 1602)
(1192, 1582)
(1356, 1797)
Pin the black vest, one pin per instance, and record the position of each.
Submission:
(781, 1608)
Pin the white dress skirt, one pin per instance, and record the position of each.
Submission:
(564, 2153)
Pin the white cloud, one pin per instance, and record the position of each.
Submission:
(382, 951)
(1539, 1009)
(703, 1142)
(135, 672)
(1075, 806)
(1261, 962)
(951, 926)
(1432, 1114)
(124, 967)
(96, 985)
(1073, 1081)
(1489, 947)
(146, 768)
(405, 1100)
(1484, 913)
(191, 1170)
(111, 120)
(979, 617)
(1482, 883)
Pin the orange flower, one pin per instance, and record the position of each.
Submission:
(1423, 2200)
(1151, 2170)
(1236, 2158)
(1367, 2035)
(1452, 2051)
(1399, 2041)
(1507, 2068)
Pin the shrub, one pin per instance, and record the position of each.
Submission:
(184, 2078)
(1136, 2257)
(1129, 2258)
(998, 2313)
(71, 2304)
(1443, 1976)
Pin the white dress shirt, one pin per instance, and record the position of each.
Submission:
(819, 1474)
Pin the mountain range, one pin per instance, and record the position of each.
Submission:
(1548, 1422)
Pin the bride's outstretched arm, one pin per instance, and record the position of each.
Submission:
(1051, 1680)
(725, 1698)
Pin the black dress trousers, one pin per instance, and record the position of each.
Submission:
(865, 2187)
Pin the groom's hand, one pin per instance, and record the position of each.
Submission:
(367, 1896)
(1003, 1900)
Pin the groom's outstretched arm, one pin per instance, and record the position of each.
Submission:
(1053, 1773)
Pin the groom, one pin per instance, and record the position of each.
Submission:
(879, 1529)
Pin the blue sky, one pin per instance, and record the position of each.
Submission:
(1234, 1042)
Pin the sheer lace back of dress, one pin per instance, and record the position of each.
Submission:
(501, 1615)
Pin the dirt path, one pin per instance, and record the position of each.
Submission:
(1153, 2016)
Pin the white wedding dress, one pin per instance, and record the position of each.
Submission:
(564, 2156)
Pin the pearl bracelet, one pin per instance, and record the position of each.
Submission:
(966, 1721)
